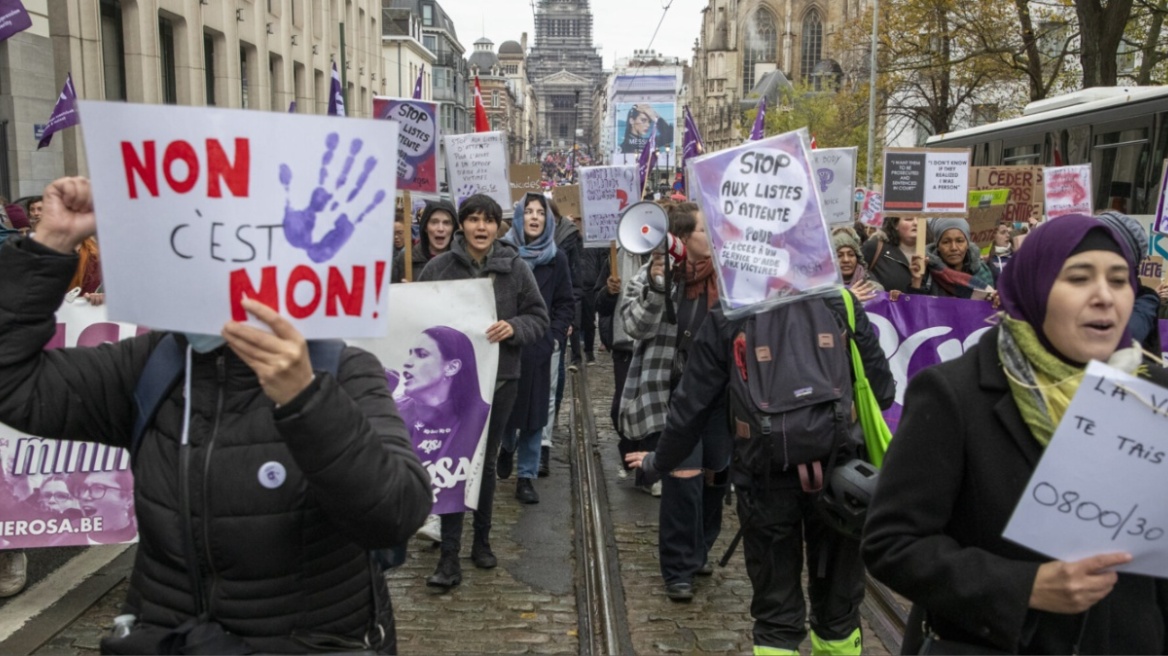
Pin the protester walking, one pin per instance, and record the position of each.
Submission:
(890, 254)
(954, 265)
(853, 269)
(437, 227)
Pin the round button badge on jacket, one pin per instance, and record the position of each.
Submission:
(272, 475)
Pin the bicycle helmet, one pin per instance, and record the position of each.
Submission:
(844, 504)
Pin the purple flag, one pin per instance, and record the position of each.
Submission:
(292, 107)
(64, 113)
(692, 145)
(757, 132)
(646, 159)
(336, 106)
(1164, 341)
(418, 83)
(13, 18)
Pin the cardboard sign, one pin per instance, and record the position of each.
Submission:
(605, 192)
(567, 198)
(198, 208)
(835, 173)
(922, 181)
(1152, 271)
(1068, 190)
(525, 179)
(1160, 224)
(417, 142)
(477, 164)
(765, 221)
(1024, 184)
(1099, 487)
(447, 420)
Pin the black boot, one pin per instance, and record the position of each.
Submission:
(448, 573)
(525, 491)
(480, 552)
(544, 455)
(505, 464)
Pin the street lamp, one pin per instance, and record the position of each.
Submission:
(575, 120)
(668, 170)
(872, 91)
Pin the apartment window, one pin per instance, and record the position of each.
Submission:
(112, 57)
(431, 43)
(428, 15)
(209, 67)
(494, 99)
(247, 74)
(166, 62)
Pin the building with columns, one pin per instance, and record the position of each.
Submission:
(500, 98)
(250, 54)
(565, 70)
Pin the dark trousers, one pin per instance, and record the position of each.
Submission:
(588, 322)
(777, 524)
(560, 385)
(452, 523)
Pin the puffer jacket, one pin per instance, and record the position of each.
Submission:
(283, 563)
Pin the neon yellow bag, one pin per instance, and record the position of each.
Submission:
(877, 436)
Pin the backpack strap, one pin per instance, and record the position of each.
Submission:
(163, 369)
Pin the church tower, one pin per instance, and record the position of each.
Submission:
(565, 72)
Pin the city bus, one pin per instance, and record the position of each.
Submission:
(1122, 132)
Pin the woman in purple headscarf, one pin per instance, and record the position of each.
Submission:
(972, 432)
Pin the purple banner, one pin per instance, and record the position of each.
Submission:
(64, 113)
(1164, 341)
(13, 18)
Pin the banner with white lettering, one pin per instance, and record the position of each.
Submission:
(442, 369)
(198, 208)
(57, 493)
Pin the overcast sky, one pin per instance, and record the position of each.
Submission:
(618, 26)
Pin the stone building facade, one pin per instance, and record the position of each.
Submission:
(27, 97)
(503, 104)
(566, 71)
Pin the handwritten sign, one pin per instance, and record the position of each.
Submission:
(198, 208)
(1024, 184)
(1099, 487)
(872, 209)
(477, 164)
(605, 192)
(765, 222)
(922, 181)
(525, 179)
(417, 142)
(1068, 190)
(567, 198)
(1161, 222)
(835, 173)
(1151, 271)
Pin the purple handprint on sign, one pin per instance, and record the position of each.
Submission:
(466, 191)
(299, 225)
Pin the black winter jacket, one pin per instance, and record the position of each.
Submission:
(283, 567)
(421, 251)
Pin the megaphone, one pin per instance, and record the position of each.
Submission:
(644, 228)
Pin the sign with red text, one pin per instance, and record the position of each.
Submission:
(199, 208)
(605, 193)
(1068, 190)
(56, 493)
(1024, 184)
(925, 181)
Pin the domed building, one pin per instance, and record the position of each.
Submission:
(503, 104)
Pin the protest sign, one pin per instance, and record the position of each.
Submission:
(567, 198)
(986, 210)
(1024, 184)
(1152, 271)
(765, 222)
(1068, 190)
(40, 500)
(1099, 487)
(605, 192)
(1160, 224)
(442, 327)
(835, 173)
(1158, 245)
(477, 164)
(524, 179)
(1164, 341)
(920, 181)
(199, 208)
(417, 141)
(872, 210)
(14, 18)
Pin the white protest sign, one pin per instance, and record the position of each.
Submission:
(1100, 485)
(198, 208)
(605, 192)
(946, 181)
(1160, 224)
(477, 164)
(835, 173)
(1068, 190)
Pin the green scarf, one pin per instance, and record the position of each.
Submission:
(1041, 383)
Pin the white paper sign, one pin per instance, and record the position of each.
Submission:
(198, 208)
(605, 192)
(835, 173)
(1068, 190)
(477, 164)
(1160, 225)
(1101, 483)
(946, 182)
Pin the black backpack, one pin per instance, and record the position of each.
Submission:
(790, 400)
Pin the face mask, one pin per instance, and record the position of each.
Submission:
(204, 343)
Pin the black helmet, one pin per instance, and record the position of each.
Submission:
(844, 504)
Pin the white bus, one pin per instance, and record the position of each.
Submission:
(1121, 131)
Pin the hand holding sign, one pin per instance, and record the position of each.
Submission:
(300, 225)
(67, 217)
(1072, 588)
(279, 359)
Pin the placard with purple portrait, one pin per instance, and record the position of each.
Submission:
(765, 222)
(417, 141)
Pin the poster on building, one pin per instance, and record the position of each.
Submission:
(835, 173)
(1024, 184)
(605, 192)
(1068, 190)
(201, 207)
(476, 163)
(417, 141)
(58, 493)
(636, 121)
(920, 182)
(765, 222)
(441, 371)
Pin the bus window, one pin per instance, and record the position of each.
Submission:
(994, 155)
(1028, 155)
(1055, 148)
(1078, 143)
(1119, 164)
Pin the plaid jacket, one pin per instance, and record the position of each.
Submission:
(644, 402)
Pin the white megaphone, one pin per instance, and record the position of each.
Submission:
(644, 228)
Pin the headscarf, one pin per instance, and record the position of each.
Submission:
(846, 238)
(959, 283)
(543, 249)
(1025, 285)
(1130, 230)
(17, 216)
